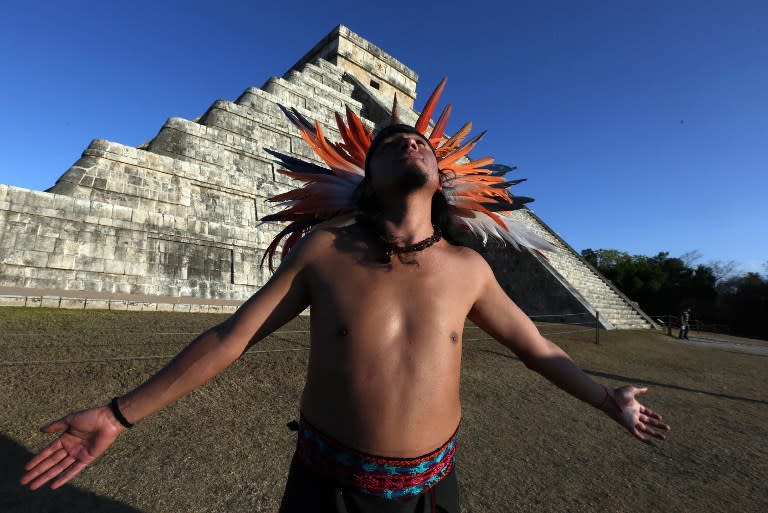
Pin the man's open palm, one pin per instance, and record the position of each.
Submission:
(639, 420)
(87, 434)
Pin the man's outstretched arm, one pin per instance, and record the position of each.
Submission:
(87, 434)
(498, 316)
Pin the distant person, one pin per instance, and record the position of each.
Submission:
(685, 317)
(380, 410)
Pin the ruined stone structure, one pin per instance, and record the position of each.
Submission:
(176, 220)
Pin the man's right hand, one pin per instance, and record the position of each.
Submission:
(87, 434)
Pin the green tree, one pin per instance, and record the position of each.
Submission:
(665, 285)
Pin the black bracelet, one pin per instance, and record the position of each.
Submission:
(118, 414)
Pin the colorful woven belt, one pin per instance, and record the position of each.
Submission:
(391, 478)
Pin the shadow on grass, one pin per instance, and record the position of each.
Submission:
(642, 381)
(15, 498)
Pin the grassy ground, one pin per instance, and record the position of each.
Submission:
(525, 445)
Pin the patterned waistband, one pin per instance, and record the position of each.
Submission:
(391, 478)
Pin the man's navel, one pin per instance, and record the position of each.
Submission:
(454, 337)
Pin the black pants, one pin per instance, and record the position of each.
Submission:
(306, 492)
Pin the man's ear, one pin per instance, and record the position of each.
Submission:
(442, 179)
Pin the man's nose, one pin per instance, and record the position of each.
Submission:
(409, 141)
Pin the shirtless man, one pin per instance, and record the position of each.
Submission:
(384, 363)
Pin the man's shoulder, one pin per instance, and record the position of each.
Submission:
(317, 240)
(467, 257)
(321, 240)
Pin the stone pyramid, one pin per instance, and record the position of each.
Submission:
(179, 216)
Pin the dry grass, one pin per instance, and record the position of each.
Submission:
(525, 445)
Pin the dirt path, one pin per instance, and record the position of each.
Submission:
(759, 348)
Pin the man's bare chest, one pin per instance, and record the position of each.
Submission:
(417, 290)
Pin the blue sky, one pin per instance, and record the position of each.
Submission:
(641, 127)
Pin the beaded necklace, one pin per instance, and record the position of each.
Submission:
(393, 249)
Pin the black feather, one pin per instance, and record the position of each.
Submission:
(297, 119)
(499, 169)
(300, 166)
(508, 183)
(517, 202)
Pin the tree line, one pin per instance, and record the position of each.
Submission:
(715, 292)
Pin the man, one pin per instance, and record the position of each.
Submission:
(389, 297)
(685, 317)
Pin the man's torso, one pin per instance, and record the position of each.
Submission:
(385, 356)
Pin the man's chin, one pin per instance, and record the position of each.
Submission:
(414, 179)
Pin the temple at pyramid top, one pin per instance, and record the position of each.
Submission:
(366, 62)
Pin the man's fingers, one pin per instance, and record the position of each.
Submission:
(69, 474)
(654, 422)
(36, 475)
(52, 472)
(44, 454)
(650, 412)
(653, 433)
(43, 466)
(637, 434)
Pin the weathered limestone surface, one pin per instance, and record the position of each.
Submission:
(367, 62)
(179, 217)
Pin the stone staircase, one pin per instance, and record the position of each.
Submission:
(600, 295)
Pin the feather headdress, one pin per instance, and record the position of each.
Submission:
(477, 191)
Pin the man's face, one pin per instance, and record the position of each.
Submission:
(403, 162)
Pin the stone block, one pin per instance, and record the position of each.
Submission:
(122, 213)
(138, 216)
(134, 306)
(46, 244)
(34, 258)
(34, 301)
(155, 219)
(72, 303)
(50, 302)
(43, 200)
(97, 304)
(136, 268)
(118, 304)
(7, 240)
(61, 261)
(94, 285)
(13, 301)
(165, 307)
(67, 247)
(101, 210)
(89, 263)
(74, 284)
(81, 207)
(123, 288)
(112, 266)
(51, 227)
(182, 307)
